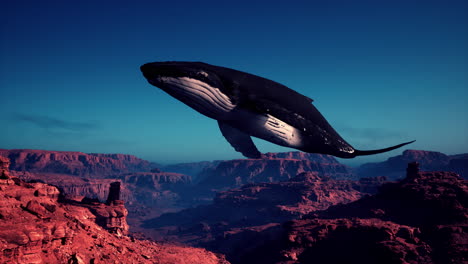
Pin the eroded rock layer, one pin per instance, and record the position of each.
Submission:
(74, 163)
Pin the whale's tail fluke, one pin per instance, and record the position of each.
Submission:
(377, 151)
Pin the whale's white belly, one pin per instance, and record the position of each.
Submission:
(210, 101)
(280, 132)
(269, 128)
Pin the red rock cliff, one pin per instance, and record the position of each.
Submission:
(74, 163)
(37, 227)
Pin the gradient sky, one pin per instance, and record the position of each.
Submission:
(381, 72)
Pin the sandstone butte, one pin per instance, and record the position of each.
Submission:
(37, 225)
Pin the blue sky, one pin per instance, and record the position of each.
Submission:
(381, 72)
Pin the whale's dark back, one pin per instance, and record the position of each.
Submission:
(258, 90)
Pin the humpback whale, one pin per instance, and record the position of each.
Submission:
(247, 105)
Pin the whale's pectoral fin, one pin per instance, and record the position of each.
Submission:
(240, 141)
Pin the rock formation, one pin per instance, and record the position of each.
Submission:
(156, 189)
(4, 168)
(394, 168)
(114, 193)
(302, 194)
(253, 205)
(74, 163)
(156, 180)
(38, 227)
(195, 168)
(147, 194)
(75, 186)
(143, 188)
(235, 173)
(421, 219)
(112, 216)
(459, 164)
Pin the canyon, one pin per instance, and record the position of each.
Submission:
(257, 204)
(299, 206)
(421, 219)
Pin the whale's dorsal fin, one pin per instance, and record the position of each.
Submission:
(240, 141)
(309, 99)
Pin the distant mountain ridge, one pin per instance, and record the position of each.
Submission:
(74, 163)
(394, 167)
(190, 168)
(153, 186)
(198, 169)
(234, 173)
(298, 155)
(97, 165)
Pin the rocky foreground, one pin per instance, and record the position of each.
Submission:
(37, 225)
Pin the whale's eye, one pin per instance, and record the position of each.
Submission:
(202, 73)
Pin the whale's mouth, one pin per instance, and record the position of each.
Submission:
(155, 72)
(197, 94)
